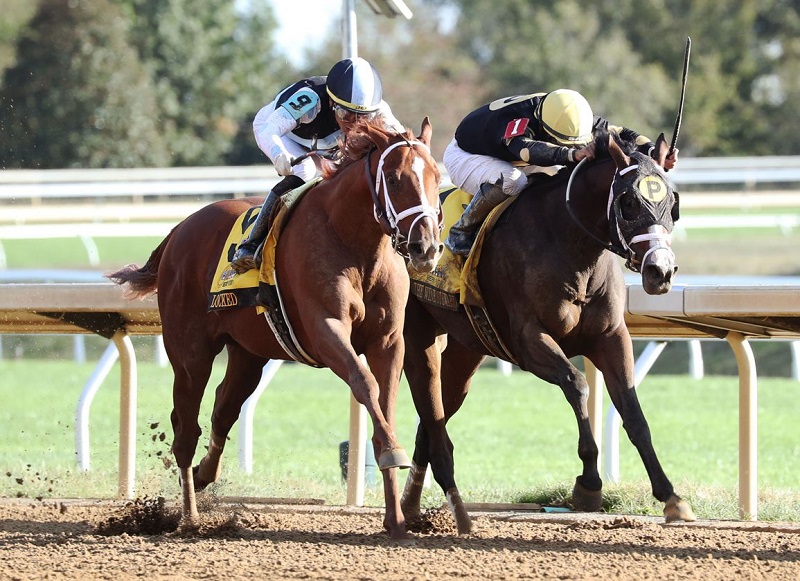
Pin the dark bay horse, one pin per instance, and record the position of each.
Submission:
(344, 289)
(553, 291)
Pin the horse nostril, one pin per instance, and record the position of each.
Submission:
(440, 248)
(415, 248)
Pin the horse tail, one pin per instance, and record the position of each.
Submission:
(143, 281)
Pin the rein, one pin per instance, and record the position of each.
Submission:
(385, 214)
(655, 233)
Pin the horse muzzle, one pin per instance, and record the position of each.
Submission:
(424, 254)
(657, 264)
(658, 270)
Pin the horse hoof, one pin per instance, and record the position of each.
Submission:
(677, 509)
(407, 540)
(463, 520)
(459, 511)
(189, 523)
(396, 458)
(585, 500)
(199, 483)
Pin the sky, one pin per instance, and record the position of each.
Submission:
(298, 30)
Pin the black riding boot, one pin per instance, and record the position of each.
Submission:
(462, 233)
(244, 258)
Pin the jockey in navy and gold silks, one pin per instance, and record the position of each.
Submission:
(315, 112)
(497, 146)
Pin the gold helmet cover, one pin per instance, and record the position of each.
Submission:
(567, 116)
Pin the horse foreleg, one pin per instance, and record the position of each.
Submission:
(376, 390)
(615, 361)
(547, 361)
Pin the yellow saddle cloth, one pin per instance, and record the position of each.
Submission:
(229, 289)
(454, 281)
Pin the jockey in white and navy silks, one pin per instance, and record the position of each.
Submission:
(313, 113)
(497, 146)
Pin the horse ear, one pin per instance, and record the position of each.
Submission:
(427, 130)
(620, 157)
(661, 150)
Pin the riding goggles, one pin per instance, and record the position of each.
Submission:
(348, 116)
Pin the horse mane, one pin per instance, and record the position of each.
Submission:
(360, 141)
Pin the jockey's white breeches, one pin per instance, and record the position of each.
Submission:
(468, 171)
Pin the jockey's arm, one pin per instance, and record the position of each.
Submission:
(270, 127)
(643, 144)
(540, 153)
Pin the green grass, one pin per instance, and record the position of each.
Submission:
(515, 438)
(70, 252)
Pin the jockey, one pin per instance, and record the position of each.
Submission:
(497, 146)
(316, 112)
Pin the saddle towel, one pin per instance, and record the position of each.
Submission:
(229, 289)
(454, 281)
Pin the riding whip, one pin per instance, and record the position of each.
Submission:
(683, 94)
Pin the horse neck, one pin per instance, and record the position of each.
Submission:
(588, 200)
(351, 211)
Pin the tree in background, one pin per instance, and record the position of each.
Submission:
(213, 66)
(14, 16)
(528, 47)
(77, 95)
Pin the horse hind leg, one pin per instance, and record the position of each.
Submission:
(188, 387)
(242, 376)
(439, 385)
(411, 498)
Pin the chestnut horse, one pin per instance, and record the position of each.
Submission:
(344, 289)
(553, 292)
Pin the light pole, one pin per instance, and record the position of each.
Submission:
(356, 453)
(390, 8)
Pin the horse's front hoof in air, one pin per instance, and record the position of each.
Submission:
(394, 458)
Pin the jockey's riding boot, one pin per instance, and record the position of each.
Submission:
(462, 233)
(244, 258)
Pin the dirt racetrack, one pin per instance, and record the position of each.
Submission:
(52, 539)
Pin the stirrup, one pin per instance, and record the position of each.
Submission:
(460, 243)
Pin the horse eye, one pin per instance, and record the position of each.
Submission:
(391, 179)
(629, 205)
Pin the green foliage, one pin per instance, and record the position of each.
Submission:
(78, 96)
(13, 17)
(213, 68)
(200, 72)
(627, 57)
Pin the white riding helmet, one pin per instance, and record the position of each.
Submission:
(354, 84)
(567, 117)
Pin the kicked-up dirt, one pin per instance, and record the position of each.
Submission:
(61, 539)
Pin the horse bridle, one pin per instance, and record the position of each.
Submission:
(385, 214)
(619, 245)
